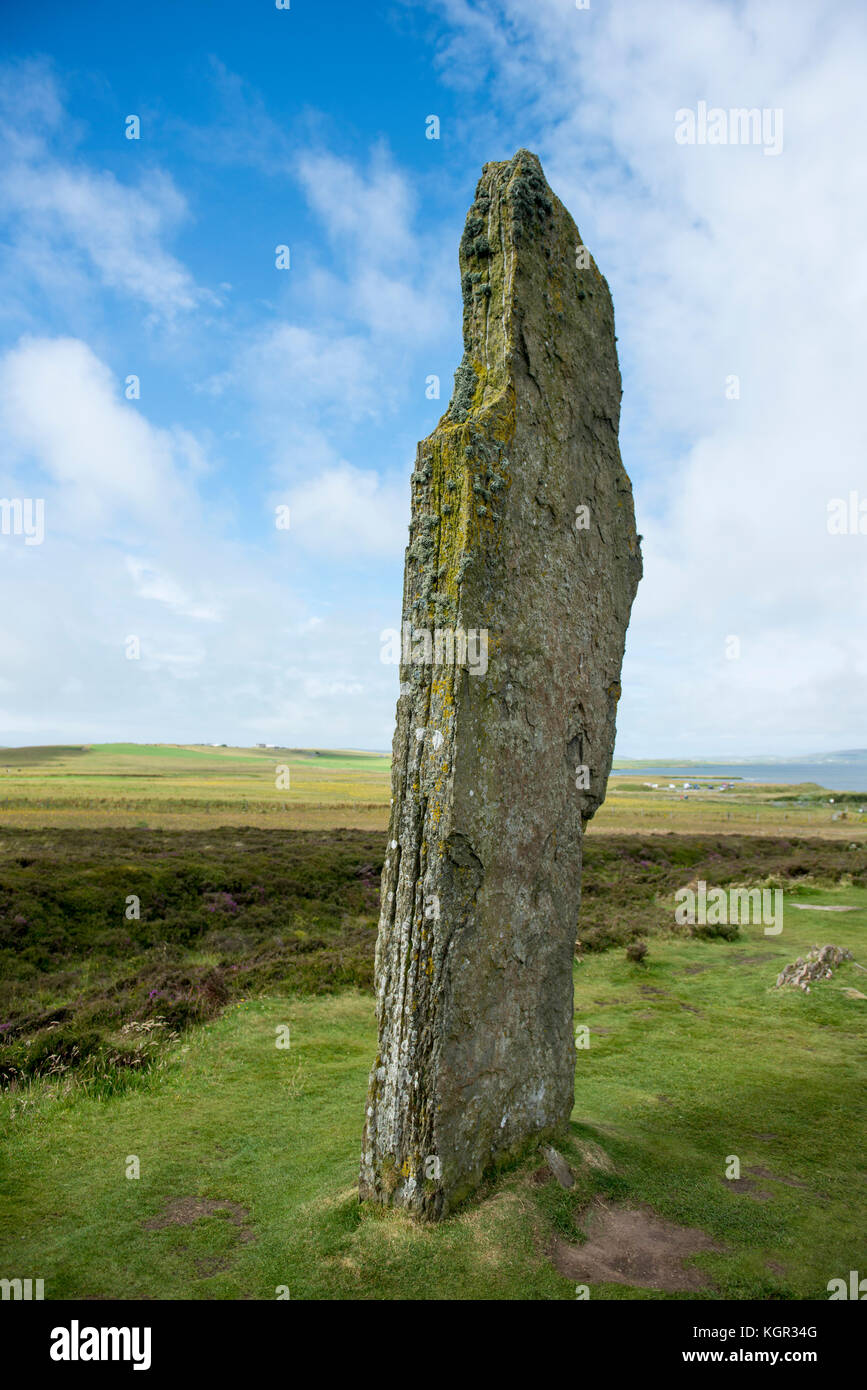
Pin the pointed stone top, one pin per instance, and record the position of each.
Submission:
(519, 158)
(529, 283)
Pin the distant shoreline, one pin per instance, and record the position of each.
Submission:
(854, 756)
(831, 776)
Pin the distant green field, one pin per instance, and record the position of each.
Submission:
(157, 752)
(190, 787)
(48, 753)
(185, 787)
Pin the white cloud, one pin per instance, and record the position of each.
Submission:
(152, 583)
(61, 409)
(116, 229)
(396, 269)
(307, 382)
(311, 371)
(30, 108)
(131, 550)
(350, 512)
(721, 261)
(365, 216)
(304, 387)
(67, 223)
(131, 547)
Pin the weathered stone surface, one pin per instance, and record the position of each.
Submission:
(558, 1165)
(820, 964)
(480, 888)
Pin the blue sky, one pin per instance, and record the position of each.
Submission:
(306, 387)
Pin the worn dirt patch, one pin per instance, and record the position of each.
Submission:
(185, 1211)
(628, 1245)
(210, 1265)
(759, 1171)
(747, 1188)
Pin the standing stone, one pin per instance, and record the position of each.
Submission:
(520, 574)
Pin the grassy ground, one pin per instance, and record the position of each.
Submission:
(744, 809)
(150, 1032)
(248, 1152)
(161, 786)
(113, 940)
(86, 987)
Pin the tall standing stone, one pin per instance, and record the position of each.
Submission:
(520, 574)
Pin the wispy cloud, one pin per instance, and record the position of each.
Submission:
(347, 511)
(737, 285)
(65, 220)
(64, 416)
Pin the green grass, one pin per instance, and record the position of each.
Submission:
(701, 1059)
(227, 912)
(219, 916)
(196, 787)
(151, 785)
